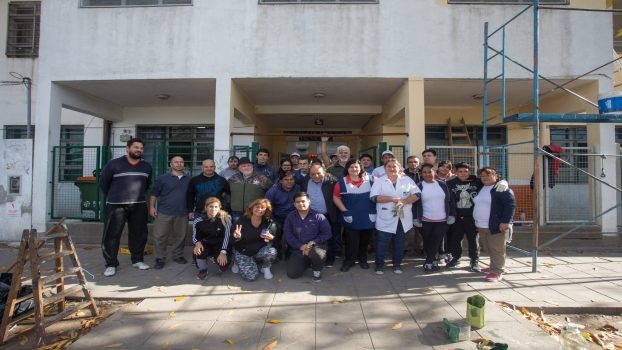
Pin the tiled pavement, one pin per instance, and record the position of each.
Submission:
(353, 310)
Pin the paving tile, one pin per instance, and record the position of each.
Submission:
(347, 311)
(174, 334)
(293, 313)
(386, 311)
(518, 335)
(339, 336)
(409, 336)
(236, 335)
(294, 336)
(119, 332)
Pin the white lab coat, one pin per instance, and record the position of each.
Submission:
(405, 187)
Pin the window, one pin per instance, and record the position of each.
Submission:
(508, 2)
(271, 2)
(17, 131)
(619, 135)
(23, 30)
(436, 135)
(193, 143)
(119, 3)
(71, 152)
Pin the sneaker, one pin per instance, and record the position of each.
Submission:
(141, 265)
(427, 268)
(398, 271)
(435, 265)
(485, 270)
(235, 268)
(267, 274)
(330, 262)
(379, 271)
(475, 266)
(317, 276)
(180, 260)
(453, 263)
(110, 271)
(493, 277)
(448, 258)
(364, 265)
(202, 274)
(346, 266)
(159, 264)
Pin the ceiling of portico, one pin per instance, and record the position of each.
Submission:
(291, 103)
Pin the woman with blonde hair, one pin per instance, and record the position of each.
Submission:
(252, 241)
(210, 236)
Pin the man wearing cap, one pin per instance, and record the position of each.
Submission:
(294, 158)
(246, 186)
(379, 171)
(232, 168)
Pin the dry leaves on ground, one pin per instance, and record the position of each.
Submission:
(270, 345)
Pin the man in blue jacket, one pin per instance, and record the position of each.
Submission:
(124, 181)
(493, 212)
(281, 196)
(307, 233)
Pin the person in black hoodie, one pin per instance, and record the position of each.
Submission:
(252, 241)
(210, 236)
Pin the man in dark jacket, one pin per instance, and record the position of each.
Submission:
(207, 184)
(319, 187)
(124, 181)
(307, 232)
(281, 196)
(493, 212)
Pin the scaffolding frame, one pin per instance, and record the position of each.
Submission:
(536, 118)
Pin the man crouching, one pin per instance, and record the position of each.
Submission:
(306, 232)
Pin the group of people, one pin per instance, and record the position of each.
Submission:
(251, 215)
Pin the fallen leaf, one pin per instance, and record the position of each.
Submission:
(428, 290)
(279, 280)
(608, 328)
(397, 326)
(73, 334)
(23, 340)
(173, 327)
(172, 314)
(341, 301)
(115, 345)
(166, 344)
(350, 330)
(274, 321)
(270, 345)
(180, 298)
(229, 341)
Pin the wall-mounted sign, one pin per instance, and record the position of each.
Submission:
(15, 184)
(13, 209)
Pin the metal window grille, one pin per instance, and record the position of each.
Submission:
(23, 29)
(71, 152)
(130, 3)
(17, 131)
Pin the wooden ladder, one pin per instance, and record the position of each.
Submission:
(32, 251)
(457, 132)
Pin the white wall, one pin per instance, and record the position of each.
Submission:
(15, 160)
(395, 38)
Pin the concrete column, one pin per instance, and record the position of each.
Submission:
(415, 116)
(222, 121)
(601, 140)
(48, 117)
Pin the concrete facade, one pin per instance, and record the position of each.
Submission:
(245, 67)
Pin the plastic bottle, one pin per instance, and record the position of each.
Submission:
(572, 339)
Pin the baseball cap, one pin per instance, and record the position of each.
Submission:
(245, 160)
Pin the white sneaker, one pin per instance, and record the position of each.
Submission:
(235, 268)
(141, 265)
(110, 271)
(267, 274)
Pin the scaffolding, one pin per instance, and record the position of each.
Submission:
(536, 118)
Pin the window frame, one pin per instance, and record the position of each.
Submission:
(15, 45)
(71, 153)
(124, 4)
(21, 130)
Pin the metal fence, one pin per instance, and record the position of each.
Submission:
(76, 171)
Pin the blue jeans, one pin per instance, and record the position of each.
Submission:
(382, 244)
